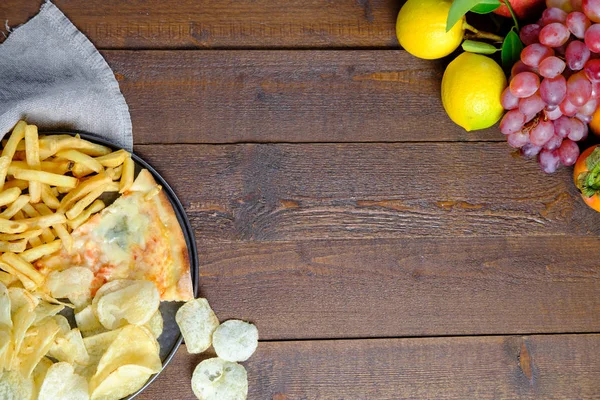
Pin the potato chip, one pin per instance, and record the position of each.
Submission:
(96, 346)
(22, 320)
(62, 383)
(20, 297)
(14, 386)
(87, 322)
(45, 309)
(63, 324)
(217, 379)
(155, 325)
(235, 340)
(5, 319)
(197, 322)
(36, 344)
(124, 381)
(134, 303)
(39, 374)
(71, 282)
(69, 348)
(134, 345)
(5, 343)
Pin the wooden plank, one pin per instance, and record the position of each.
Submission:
(530, 367)
(271, 192)
(405, 287)
(285, 96)
(216, 23)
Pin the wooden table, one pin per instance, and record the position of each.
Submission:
(382, 251)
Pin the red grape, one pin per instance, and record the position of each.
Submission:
(517, 139)
(589, 107)
(519, 67)
(592, 70)
(568, 152)
(534, 53)
(553, 90)
(586, 119)
(530, 150)
(567, 108)
(579, 89)
(541, 133)
(576, 5)
(552, 114)
(509, 102)
(531, 105)
(549, 160)
(525, 84)
(553, 14)
(577, 130)
(591, 8)
(592, 38)
(553, 35)
(529, 34)
(551, 67)
(553, 143)
(512, 122)
(578, 23)
(577, 55)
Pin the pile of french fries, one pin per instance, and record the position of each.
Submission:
(49, 186)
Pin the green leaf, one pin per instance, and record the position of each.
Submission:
(511, 49)
(485, 8)
(461, 7)
(479, 47)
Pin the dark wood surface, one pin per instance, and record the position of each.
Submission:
(382, 251)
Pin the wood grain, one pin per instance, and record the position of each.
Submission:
(285, 96)
(405, 287)
(193, 24)
(272, 192)
(510, 367)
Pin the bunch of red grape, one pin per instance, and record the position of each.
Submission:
(555, 88)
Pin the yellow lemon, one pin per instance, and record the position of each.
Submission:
(471, 89)
(421, 29)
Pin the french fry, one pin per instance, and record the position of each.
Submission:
(55, 191)
(8, 226)
(17, 135)
(60, 229)
(27, 282)
(85, 201)
(20, 183)
(7, 279)
(62, 190)
(38, 252)
(24, 235)
(127, 175)
(112, 187)
(15, 247)
(32, 155)
(84, 188)
(48, 197)
(81, 159)
(46, 177)
(153, 192)
(44, 221)
(95, 207)
(55, 167)
(9, 195)
(84, 146)
(47, 235)
(35, 241)
(4, 164)
(115, 173)
(15, 206)
(23, 267)
(114, 159)
(19, 215)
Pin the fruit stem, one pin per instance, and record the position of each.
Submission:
(512, 13)
(483, 35)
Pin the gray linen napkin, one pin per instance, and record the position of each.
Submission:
(52, 76)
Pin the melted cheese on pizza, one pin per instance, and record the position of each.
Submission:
(136, 237)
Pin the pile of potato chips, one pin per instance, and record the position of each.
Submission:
(221, 377)
(111, 354)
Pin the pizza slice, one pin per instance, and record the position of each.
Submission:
(136, 237)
